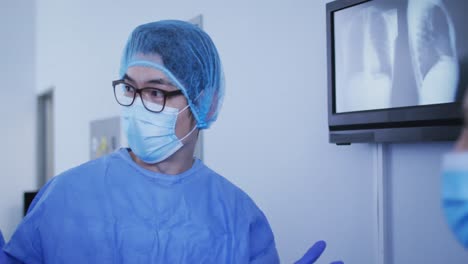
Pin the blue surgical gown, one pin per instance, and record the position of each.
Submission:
(111, 210)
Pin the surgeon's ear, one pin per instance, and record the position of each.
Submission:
(193, 120)
(462, 141)
(465, 110)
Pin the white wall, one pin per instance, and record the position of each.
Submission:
(17, 110)
(271, 137)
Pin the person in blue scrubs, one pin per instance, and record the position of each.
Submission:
(455, 184)
(153, 202)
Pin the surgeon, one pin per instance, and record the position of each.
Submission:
(153, 202)
(455, 184)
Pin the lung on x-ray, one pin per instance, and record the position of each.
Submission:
(399, 53)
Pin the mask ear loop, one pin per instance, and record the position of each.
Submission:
(195, 126)
(188, 134)
(183, 109)
(187, 106)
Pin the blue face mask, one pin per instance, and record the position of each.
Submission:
(151, 136)
(455, 194)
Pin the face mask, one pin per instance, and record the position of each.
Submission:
(455, 194)
(151, 136)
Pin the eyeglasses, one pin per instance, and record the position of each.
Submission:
(153, 99)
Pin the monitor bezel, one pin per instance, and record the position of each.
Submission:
(420, 116)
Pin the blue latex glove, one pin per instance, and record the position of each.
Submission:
(4, 258)
(314, 253)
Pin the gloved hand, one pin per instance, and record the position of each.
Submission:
(4, 258)
(314, 253)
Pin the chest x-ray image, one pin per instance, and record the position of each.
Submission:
(368, 65)
(434, 58)
(398, 53)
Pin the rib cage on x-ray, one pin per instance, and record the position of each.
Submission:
(433, 51)
(368, 63)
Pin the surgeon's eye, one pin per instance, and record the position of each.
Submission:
(126, 90)
(154, 95)
(157, 94)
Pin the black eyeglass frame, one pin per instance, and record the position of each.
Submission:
(139, 91)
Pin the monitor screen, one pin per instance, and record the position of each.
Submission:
(402, 53)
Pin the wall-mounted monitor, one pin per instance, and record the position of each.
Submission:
(396, 69)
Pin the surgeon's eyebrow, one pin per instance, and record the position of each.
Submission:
(159, 81)
(126, 77)
(153, 81)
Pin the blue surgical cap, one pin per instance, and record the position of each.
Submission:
(189, 59)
